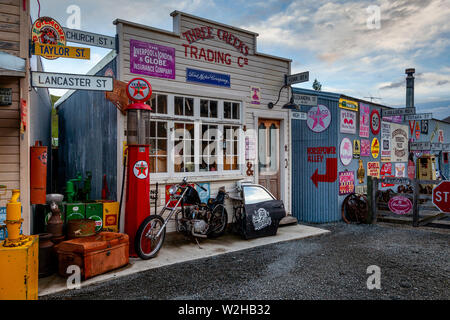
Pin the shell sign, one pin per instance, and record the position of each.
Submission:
(375, 148)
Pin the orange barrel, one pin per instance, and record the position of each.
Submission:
(38, 173)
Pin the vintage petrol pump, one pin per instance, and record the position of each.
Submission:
(137, 205)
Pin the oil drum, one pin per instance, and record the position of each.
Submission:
(47, 256)
(38, 173)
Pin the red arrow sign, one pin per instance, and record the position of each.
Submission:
(441, 196)
(329, 176)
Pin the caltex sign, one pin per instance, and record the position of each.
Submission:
(441, 196)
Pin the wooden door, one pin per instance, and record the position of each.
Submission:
(269, 155)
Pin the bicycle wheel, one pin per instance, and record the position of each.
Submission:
(219, 220)
(146, 244)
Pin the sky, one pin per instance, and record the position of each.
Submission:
(357, 48)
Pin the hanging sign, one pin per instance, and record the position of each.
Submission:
(386, 172)
(46, 30)
(346, 151)
(319, 118)
(399, 147)
(348, 104)
(5, 96)
(373, 169)
(385, 141)
(400, 205)
(346, 182)
(400, 170)
(255, 95)
(348, 122)
(56, 51)
(364, 119)
(375, 148)
(71, 81)
(89, 38)
(356, 149)
(152, 59)
(206, 77)
(375, 121)
(305, 100)
(419, 116)
(139, 90)
(365, 148)
(424, 126)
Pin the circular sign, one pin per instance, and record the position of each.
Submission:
(375, 121)
(140, 169)
(346, 151)
(400, 205)
(375, 148)
(47, 30)
(319, 118)
(139, 90)
(98, 222)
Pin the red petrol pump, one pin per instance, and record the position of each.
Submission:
(137, 205)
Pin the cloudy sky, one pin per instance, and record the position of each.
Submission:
(341, 43)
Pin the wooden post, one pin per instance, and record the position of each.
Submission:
(372, 188)
(415, 202)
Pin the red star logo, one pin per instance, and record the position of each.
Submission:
(318, 118)
(139, 89)
(142, 170)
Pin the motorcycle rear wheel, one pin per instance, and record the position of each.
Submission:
(145, 245)
(220, 215)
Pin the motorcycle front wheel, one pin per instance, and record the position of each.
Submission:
(146, 244)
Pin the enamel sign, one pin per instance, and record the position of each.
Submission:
(346, 182)
(399, 140)
(385, 141)
(364, 115)
(375, 148)
(346, 151)
(319, 118)
(365, 148)
(46, 30)
(373, 169)
(348, 122)
(139, 90)
(400, 205)
(348, 104)
(375, 121)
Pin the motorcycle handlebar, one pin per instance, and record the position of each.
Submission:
(185, 182)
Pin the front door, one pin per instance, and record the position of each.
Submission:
(269, 155)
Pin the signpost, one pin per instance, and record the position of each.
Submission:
(441, 196)
(398, 112)
(419, 116)
(71, 81)
(296, 78)
(58, 51)
(89, 38)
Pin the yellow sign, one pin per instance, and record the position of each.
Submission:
(375, 148)
(348, 104)
(373, 169)
(49, 50)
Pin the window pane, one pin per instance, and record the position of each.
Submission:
(203, 108)
(152, 148)
(161, 164)
(162, 104)
(190, 134)
(152, 103)
(227, 110)
(253, 194)
(179, 106)
(236, 110)
(162, 147)
(152, 167)
(213, 133)
(190, 166)
(152, 129)
(162, 129)
(213, 109)
(189, 107)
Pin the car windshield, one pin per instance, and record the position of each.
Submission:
(255, 194)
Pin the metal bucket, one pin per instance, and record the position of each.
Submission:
(78, 228)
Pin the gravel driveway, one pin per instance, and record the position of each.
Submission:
(414, 265)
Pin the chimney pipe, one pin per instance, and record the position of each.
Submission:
(410, 87)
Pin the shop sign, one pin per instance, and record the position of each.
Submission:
(375, 148)
(296, 78)
(346, 182)
(441, 136)
(386, 172)
(89, 38)
(346, 151)
(348, 122)
(419, 116)
(206, 77)
(348, 104)
(5, 96)
(399, 139)
(305, 100)
(398, 112)
(317, 154)
(365, 148)
(319, 118)
(152, 59)
(364, 119)
(255, 95)
(424, 126)
(400, 205)
(375, 121)
(385, 141)
(46, 30)
(55, 51)
(356, 149)
(299, 115)
(400, 171)
(373, 169)
(71, 81)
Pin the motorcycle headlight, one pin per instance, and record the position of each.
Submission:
(173, 190)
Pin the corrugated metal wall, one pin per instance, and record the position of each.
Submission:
(311, 203)
(88, 137)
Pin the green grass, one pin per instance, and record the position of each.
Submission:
(54, 117)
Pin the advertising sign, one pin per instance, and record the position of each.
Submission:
(319, 118)
(255, 95)
(400, 205)
(400, 170)
(346, 151)
(71, 81)
(348, 104)
(206, 77)
(373, 169)
(417, 130)
(364, 120)
(386, 172)
(375, 121)
(424, 126)
(399, 139)
(365, 148)
(139, 90)
(348, 122)
(356, 149)
(375, 148)
(46, 30)
(346, 182)
(441, 136)
(152, 59)
(385, 141)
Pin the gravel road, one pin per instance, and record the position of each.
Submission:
(414, 265)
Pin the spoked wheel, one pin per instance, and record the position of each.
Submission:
(219, 220)
(146, 244)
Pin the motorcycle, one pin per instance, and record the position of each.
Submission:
(192, 217)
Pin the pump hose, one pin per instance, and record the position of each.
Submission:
(121, 194)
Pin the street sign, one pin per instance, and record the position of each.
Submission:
(419, 116)
(395, 180)
(89, 38)
(419, 146)
(71, 81)
(398, 112)
(446, 147)
(304, 99)
(57, 51)
(296, 78)
(299, 115)
(441, 196)
(436, 146)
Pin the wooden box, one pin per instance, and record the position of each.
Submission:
(95, 254)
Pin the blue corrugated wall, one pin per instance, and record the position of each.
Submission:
(88, 138)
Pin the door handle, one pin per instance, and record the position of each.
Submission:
(285, 163)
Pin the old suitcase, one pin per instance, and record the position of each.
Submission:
(95, 254)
